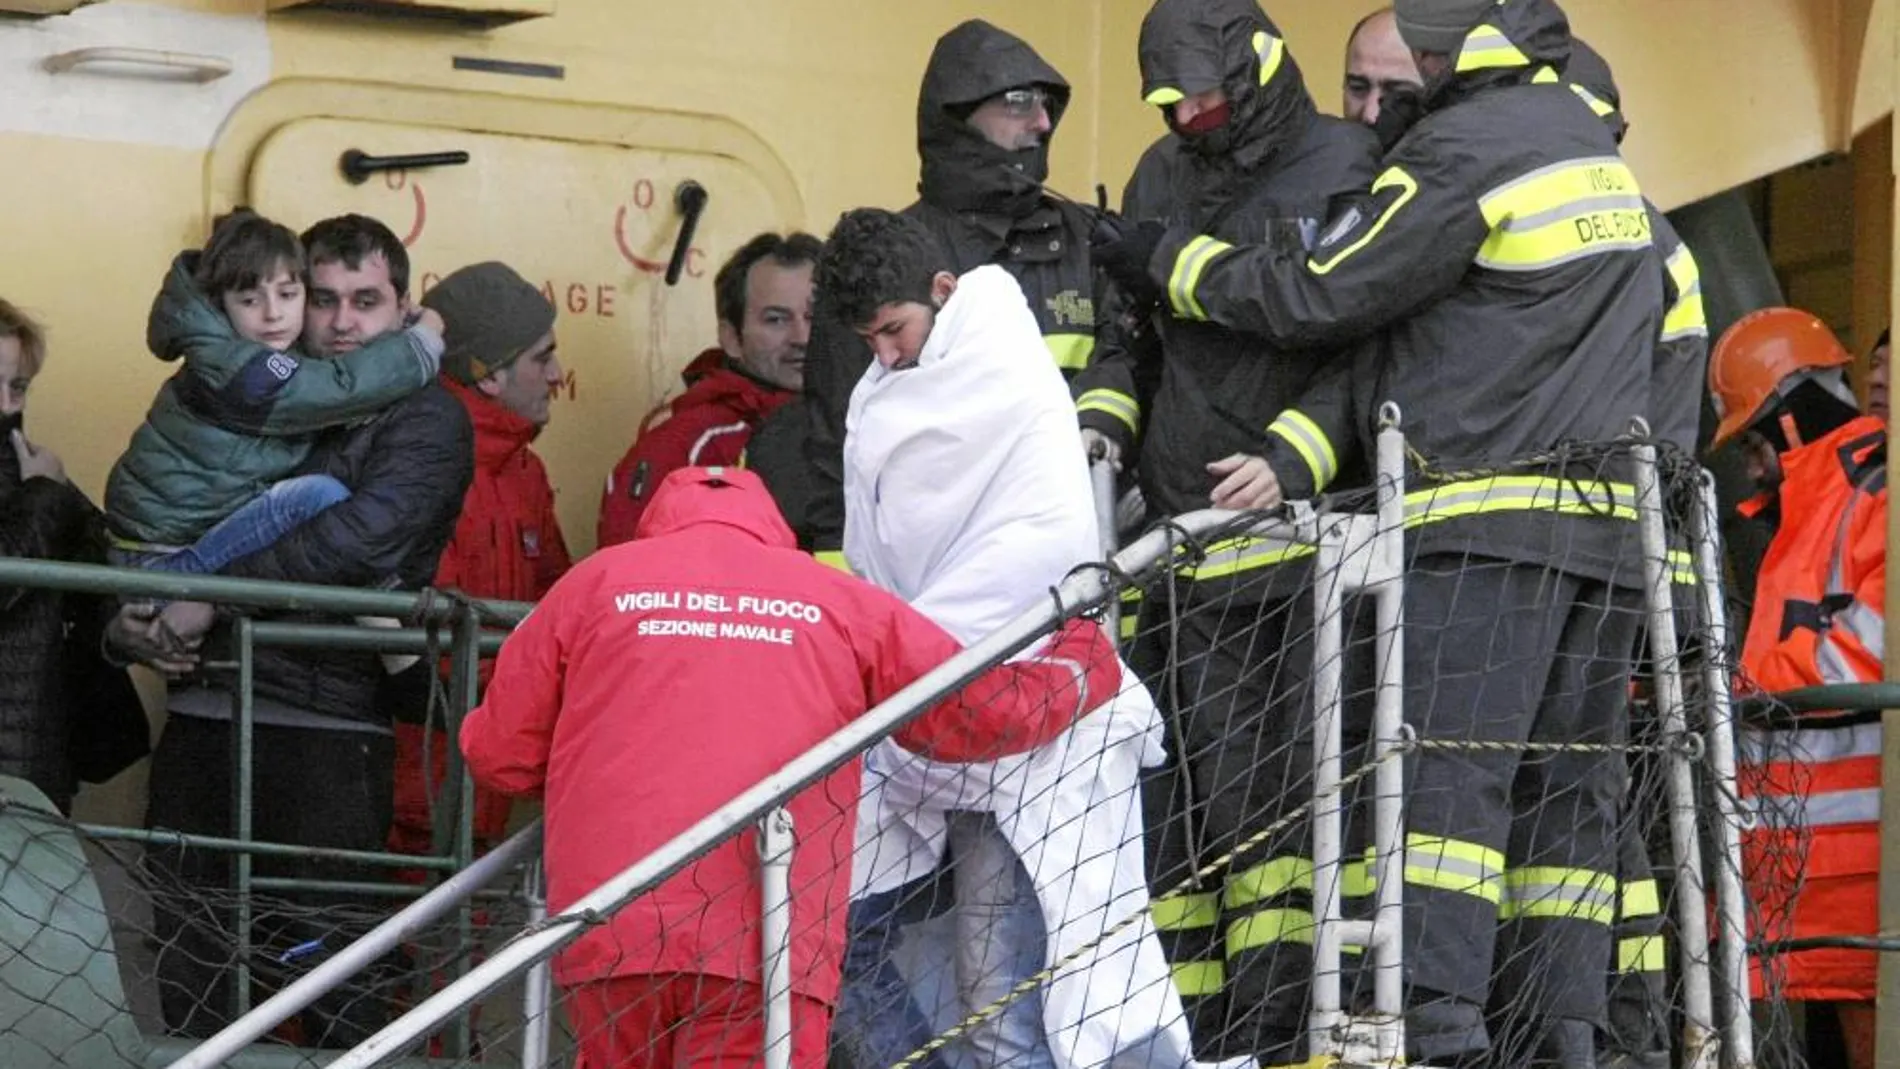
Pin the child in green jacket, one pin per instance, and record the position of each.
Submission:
(210, 476)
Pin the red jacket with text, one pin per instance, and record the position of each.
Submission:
(707, 426)
(507, 547)
(662, 678)
(1813, 860)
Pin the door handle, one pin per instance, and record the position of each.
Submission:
(690, 198)
(358, 165)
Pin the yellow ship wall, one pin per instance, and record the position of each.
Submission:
(787, 111)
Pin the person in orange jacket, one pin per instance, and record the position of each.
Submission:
(500, 362)
(661, 678)
(1813, 859)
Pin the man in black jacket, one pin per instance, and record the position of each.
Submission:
(1247, 156)
(323, 750)
(985, 114)
(1505, 261)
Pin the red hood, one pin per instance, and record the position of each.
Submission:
(730, 497)
(499, 433)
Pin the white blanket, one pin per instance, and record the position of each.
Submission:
(967, 494)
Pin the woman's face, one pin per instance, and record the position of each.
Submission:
(14, 378)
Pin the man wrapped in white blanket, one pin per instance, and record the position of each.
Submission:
(967, 494)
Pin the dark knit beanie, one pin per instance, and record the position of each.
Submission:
(1439, 25)
(490, 316)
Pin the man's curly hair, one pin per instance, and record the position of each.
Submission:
(874, 258)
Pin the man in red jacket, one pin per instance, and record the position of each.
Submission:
(764, 302)
(500, 362)
(657, 681)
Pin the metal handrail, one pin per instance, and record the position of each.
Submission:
(407, 923)
(1830, 697)
(1085, 588)
(451, 625)
(255, 593)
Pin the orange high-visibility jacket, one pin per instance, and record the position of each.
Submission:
(1813, 857)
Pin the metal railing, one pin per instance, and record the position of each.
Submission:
(428, 615)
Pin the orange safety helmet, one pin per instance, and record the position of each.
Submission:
(1754, 356)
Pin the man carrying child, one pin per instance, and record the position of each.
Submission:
(323, 752)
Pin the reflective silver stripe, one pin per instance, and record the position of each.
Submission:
(1081, 681)
(1578, 894)
(1825, 809)
(1499, 192)
(1508, 492)
(1310, 442)
(1242, 554)
(1811, 745)
(1442, 865)
(1538, 220)
(1831, 662)
(692, 455)
(1867, 626)
(1114, 403)
(1685, 318)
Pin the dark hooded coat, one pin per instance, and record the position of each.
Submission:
(1272, 174)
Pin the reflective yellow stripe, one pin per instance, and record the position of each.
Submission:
(1267, 927)
(1269, 879)
(833, 557)
(1317, 1061)
(1454, 865)
(1071, 351)
(1682, 568)
(1641, 898)
(1500, 493)
(1165, 96)
(1598, 106)
(1561, 213)
(1358, 879)
(1293, 427)
(1520, 493)
(1177, 913)
(1486, 48)
(1551, 892)
(1114, 403)
(1188, 265)
(1197, 979)
(1236, 555)
(1685, 318)
(1272, 52)
(1131, 610)
(1393, 178)
(1641, 953)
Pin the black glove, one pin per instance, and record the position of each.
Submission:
(1400, 109)
(1123, 250)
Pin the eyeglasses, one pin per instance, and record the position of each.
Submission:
(1024, 103)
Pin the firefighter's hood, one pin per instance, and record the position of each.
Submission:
(1518, 41)
(962, 170)
(1589, 72)
(1191, 46)
(726, 497)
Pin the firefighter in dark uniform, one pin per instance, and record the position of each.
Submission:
(1639, 1025)
(985, 114)
(1504, 257)
(1247, 157)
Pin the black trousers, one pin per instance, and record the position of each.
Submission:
(1237, 689)
(1511, 851)
(310, 788)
